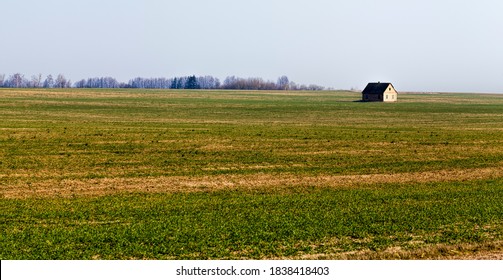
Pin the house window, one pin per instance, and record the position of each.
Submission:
(386, 97)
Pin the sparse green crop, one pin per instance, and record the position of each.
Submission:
(119, 174)
(233, 225)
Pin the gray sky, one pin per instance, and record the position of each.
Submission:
(419, 45)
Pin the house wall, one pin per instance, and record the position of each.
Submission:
(390, 95)
(371, 97)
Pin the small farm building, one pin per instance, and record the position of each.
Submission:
(380, 92)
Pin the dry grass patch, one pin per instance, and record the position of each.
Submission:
(254, 182)
(480, 251)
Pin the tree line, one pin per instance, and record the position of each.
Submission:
(19, 81)
(187, 82)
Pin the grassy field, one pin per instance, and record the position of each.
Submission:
(151, 174)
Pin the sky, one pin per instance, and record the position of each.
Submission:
(418, 45)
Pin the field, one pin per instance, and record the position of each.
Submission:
(152, 174)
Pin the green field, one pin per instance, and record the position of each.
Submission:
(157, 174)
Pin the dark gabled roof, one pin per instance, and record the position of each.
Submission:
(376, 88)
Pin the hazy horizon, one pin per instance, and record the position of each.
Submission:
(419, 46)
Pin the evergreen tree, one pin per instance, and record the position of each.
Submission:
(192, 83)
(174, 84)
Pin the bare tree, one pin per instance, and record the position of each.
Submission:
(208, 82)
(36, 81)
(60, 81)
(17, 81)
(283, 83)
(293, 86)
(49, 82)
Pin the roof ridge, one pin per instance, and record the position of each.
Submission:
(376, 88)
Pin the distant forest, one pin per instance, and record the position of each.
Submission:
(189, 82)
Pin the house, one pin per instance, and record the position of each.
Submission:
(381, 92)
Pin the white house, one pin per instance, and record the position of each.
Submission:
(380, 92)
